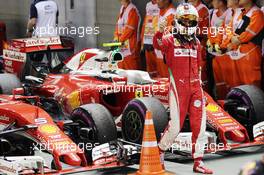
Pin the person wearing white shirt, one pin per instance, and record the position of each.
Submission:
(43, 18)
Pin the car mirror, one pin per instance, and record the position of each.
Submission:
(117, 56)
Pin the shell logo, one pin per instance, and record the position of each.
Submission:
(212, 108)
(48, 129)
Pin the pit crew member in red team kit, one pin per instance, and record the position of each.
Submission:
(182, 52)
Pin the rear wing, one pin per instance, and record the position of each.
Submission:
(30, 45)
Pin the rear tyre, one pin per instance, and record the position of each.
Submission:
(8, 82)
(250, 98)
(134, 116)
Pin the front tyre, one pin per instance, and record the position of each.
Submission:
(97, 121)
(95, 126)
(134, 116)
(247, 105)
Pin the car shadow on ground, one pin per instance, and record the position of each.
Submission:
(120, 171)
(175, 158)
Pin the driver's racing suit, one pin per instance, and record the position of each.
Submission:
(183, 57)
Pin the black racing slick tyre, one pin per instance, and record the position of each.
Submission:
(98, 121)
(250, 99)
(8, 82)
(134, 116)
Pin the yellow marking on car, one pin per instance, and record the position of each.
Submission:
(229, 120)
(74, 99)
(82, 58)
(212, 107)
(139, 94)
(48, 129)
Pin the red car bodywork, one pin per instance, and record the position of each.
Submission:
(48, 134)
(74, 90)
(230, 132)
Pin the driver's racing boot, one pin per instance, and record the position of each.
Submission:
(199, 167)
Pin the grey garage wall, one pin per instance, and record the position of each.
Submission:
(15, 14)
(82, 14)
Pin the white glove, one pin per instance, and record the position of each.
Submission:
(217, 48)
(209, 46)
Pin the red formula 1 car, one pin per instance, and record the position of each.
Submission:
(87, 88)
(25, 128)
(91, 78)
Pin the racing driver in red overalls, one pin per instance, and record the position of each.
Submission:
(182, 52)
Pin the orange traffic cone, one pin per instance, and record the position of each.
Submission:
(150, 161)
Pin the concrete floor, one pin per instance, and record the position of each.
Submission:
(228, 164)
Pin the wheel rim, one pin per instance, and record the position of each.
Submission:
(133, 126)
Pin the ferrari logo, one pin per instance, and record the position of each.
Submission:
(82, 58)
(138, 94)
